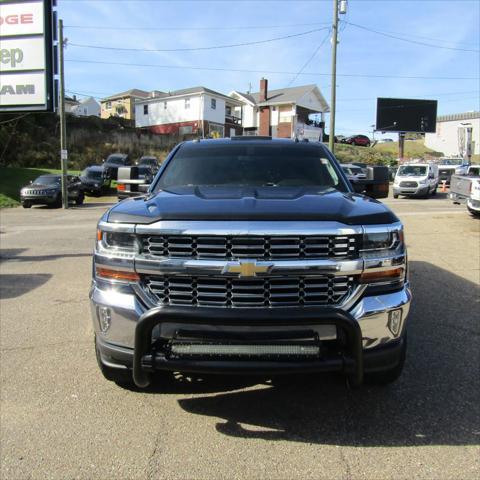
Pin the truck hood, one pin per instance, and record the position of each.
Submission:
(242, 203)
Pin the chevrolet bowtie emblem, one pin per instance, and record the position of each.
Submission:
(247, 268)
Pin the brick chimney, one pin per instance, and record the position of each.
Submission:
(263, 90)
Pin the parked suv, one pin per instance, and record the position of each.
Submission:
(252, 256)
(93, 180)
(112, 164)
(47, 190)
(359, 140)
(147, 161)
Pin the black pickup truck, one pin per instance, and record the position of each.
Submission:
(250, 255)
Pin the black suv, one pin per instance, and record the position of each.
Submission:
(113, 163)
(149, 161)
(93, 180)
(47, 190)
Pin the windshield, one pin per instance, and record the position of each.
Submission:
(47, 180)
(412, 170)
(148, 161)
(92, 173)
(144, 170)
(115, 160)
(451, 161)
(250, 165)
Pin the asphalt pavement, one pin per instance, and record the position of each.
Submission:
(61, 419)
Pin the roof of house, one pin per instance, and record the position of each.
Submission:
(71, 100)
(458, 116)
(134, 92)
(188, 91)
(87, 99)
(283, 96)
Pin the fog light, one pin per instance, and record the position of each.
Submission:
(104, 318)
(395, 321)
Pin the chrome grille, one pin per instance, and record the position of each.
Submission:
(251, 292)
(409, 184)
(259, 247)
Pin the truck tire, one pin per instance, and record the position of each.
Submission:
(388, 376)
(26, 204)
(395, 196)
(79, 200)
(121, 377)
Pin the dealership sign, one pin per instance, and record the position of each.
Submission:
(26, 56)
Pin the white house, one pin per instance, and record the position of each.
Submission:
(454, 132)
(197, 110)
(284, 113)
(86, 107)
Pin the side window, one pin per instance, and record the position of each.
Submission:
(187, 103)
(164, 105)
(213, 103)
(145, 109)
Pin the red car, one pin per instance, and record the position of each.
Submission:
(359, 140)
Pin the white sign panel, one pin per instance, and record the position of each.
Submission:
(26, 80)
(21, 19)
(22, 89)
(22, 54)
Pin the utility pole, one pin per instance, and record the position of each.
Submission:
(63, 129)
(338, 7)
(333, 96)
(401, 146)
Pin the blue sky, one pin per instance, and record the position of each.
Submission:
(165, 24)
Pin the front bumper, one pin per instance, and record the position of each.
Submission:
(410, 191)
(370, 344)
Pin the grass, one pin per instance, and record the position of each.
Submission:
(12, 179)
(413, 149)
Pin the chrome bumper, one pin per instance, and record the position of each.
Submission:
(371, 312)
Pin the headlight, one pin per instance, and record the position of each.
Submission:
(422, 182)
(118, 244)
(374, 241)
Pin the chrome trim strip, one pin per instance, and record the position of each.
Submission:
(181, 266)
(392, 227)
(116, 263)
(116, 227)
(246, 228)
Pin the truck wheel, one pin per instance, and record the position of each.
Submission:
(435, 190)
(26, 205)
(473, 213)
(388, 376)
(121, 377)
(395, 196)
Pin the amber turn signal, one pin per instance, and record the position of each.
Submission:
(99, 235)
(121, 187)
(385, 275)
(116, 274)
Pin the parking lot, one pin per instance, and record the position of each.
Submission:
(61, 419)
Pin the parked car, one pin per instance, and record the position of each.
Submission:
(385, 140)
(93, 180)
(448, 167)
(113, 162)
(466, 189)
(149, 161)
(353, 172)
(416, 180)
(251, 255)
(359, 140)
(47, 190)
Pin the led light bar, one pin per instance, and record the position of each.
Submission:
(247, 350)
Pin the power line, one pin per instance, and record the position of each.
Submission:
(213, 47)
(273, 72)
(240, 27)
(411, 41)
(311, 57)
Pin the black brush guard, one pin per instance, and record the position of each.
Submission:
(146, 358)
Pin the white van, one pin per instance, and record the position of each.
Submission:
(416, 180)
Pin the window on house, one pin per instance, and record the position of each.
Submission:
(164, 105)
(228, 110)
(187, 103)
(145, 109)
(108, 105)
(213, 103)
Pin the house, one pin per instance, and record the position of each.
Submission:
(454, 133)
(70, 103)
(122, 104)
(284, 113)
(86, 107)
(198, 111)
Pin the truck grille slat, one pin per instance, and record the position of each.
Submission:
(248, 292)
(259, 247)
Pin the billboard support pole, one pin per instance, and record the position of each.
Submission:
(401, 146)
(63, 127)
(333, 94)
